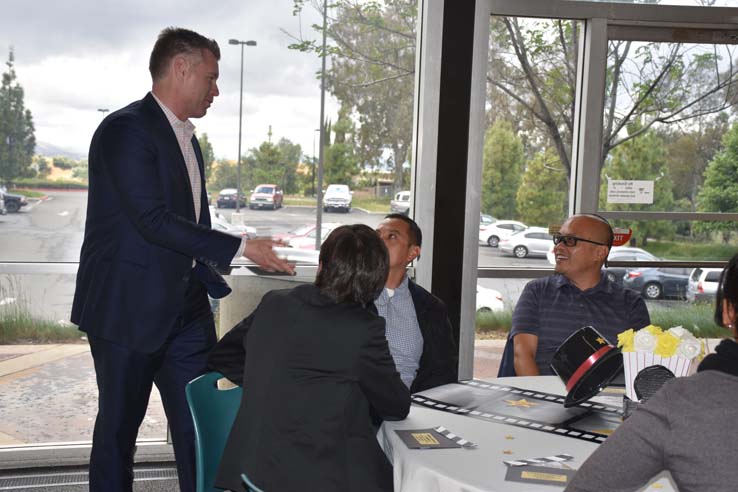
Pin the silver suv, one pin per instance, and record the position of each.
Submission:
(703, 283)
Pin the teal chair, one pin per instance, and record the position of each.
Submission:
(250, 487)
(213, 412)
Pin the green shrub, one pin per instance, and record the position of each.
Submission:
(61, 184)
(491, 321)
(684, 250)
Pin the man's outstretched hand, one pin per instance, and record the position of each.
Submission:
(260, 251)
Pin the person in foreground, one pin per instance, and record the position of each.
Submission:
(552, 308)
(418, 329)
(687, 427)
(312, 361)
(148, 258)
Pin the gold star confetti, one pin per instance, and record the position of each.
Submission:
(507, 451)
(657, 486)
(520, 403)
(601, 341)
(509, 438)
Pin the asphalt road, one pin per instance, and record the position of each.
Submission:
(52, 230)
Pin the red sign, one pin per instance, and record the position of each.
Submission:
(622, 236)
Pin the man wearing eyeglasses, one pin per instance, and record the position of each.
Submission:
(552, 308)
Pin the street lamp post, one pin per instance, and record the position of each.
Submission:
(319, 211)
(103, 111)
(240, 116)
(315, 164)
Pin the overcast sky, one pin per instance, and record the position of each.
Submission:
(73, 57)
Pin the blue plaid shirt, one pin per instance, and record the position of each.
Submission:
(402, 330)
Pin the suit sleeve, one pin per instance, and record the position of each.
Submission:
(228, 357)
(378, 377)
(135, 167)
(445, 368)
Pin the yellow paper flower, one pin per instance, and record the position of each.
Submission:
(666, 345)
(625, 340)
(654, 330)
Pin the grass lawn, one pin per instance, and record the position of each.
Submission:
(27, 193)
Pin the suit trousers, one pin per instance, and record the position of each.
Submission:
(124, 379)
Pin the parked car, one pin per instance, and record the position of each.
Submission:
(703, 284)
(308, 240)
(266, 196)
(492, 233)
(13, 202)
(297, 232)
(227, 198)
(658, 283)
(337, 197)
(401, 203)
(485, 219)
(220, 224)
(533, 241)
(489, 300)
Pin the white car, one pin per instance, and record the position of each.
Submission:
(219, 223)
(492, 233)
(337, 197)
(308, 240)
(401, 203)
(533, 241)
(703, 284)
(489, 300)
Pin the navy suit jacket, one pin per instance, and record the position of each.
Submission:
(140, 233)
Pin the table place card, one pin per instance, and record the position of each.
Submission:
(435, 438)
(540, 475)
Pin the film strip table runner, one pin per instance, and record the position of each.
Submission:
(536, 410)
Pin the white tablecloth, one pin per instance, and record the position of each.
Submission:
(482, 469)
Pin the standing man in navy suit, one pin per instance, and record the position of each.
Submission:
(149, 259)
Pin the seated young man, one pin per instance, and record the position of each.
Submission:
(418, 329)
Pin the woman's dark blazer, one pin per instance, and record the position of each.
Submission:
(310, 369)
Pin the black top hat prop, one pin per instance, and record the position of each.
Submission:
(586, 363)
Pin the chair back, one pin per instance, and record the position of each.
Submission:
(507, 364)
(250, 487)
(213, 412)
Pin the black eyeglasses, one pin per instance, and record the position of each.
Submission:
(572, 241)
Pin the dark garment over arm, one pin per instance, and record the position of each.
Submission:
(439, 363)
(552, 308)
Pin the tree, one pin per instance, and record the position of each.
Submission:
(224, 175)
(719, 192)
(208, 156)
(372, 55)
(502, 170)
(340, 163)
(17, 139)
(291, 154)
(542, 196)
(642, 159)
(534, 63)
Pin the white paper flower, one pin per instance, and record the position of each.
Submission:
(644, 341)
(690, 347)
(678, 332)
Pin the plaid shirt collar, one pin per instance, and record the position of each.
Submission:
(184, 128)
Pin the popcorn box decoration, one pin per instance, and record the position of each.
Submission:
(676, 349)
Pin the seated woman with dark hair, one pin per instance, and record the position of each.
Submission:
(312, 361)
(687, 427)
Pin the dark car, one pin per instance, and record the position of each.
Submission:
(626, 253)
(227, 198)
(13, 202)
(658, 283)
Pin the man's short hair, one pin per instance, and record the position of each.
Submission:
(174, 41)
(415, 232)
(354, 264)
